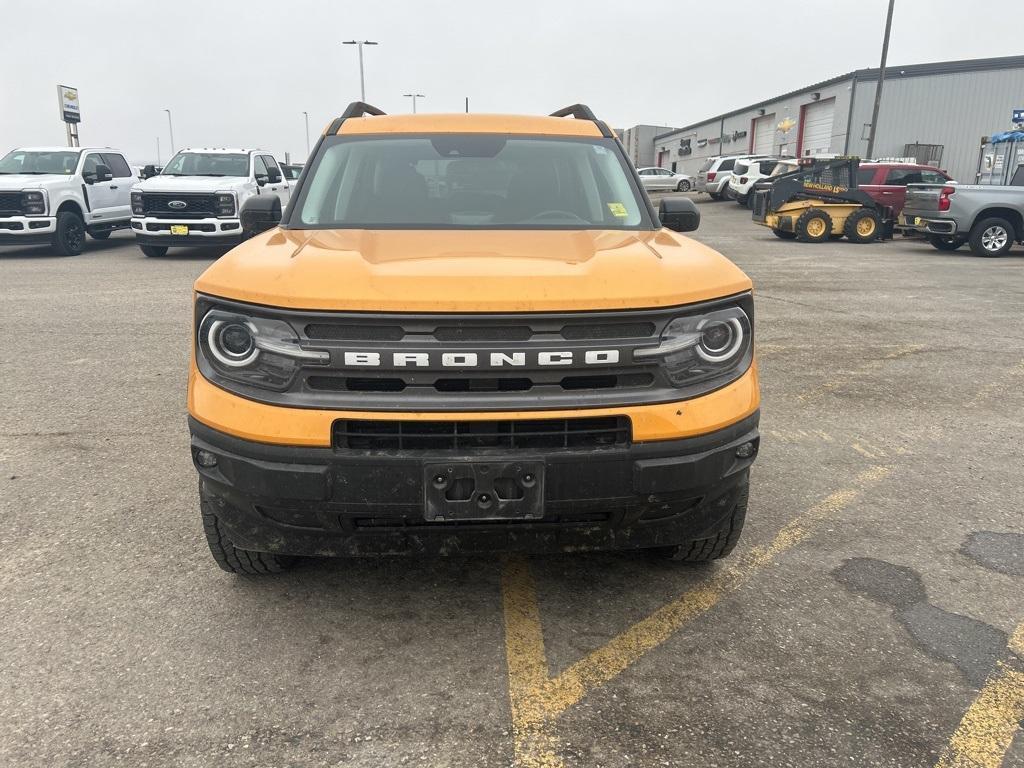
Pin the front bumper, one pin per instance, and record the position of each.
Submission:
(201, 232)
(328, 502)
(23, 230)
(929, 226)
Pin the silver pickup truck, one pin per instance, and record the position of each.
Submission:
(990, 219)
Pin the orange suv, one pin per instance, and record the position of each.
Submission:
(471, 333)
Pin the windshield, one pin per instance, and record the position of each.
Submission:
(291, 172)
(455, 181)
(207, 164)
(35, 163)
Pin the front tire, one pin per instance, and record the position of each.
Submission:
(718, 544)
(813, 226)
(946, 242)
(229, 557)
(683, 186)
(742, 200)
(69, 239)
(862, 226)
(992, 237)
(154, 251)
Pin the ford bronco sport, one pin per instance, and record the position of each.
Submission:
(471, 333)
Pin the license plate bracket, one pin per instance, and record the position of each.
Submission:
(484, 490)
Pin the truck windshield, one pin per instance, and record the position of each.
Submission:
(207, 164)
(36, 163)
(469, 181)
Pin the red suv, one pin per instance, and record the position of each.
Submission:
(887, 182)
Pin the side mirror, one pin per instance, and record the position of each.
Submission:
(678, 214)
(148, 171)
(262, 180)
(103, 173)
(260, 214)
(275, 176)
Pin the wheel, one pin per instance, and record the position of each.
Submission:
(715, 196)
(862, 226)
(946, 242)
(813, 226)
(683, 186)
(227, 555)
(100, 235)
(993, 236)
(716, 546)
(784, 235)
(742, 200)
(154, 251)
(70, 236)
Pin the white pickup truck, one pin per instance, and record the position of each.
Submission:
(56, 194)
(197, 198)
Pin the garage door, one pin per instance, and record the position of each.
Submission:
(817, 132)
(764, 135)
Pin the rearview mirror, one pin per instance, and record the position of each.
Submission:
(275, 176)
(260, 214)
(148, 172)
(678, 214)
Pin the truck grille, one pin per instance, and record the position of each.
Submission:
(10, 203)
(526, 434)
(198, 206)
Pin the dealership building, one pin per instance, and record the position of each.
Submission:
(936, 113)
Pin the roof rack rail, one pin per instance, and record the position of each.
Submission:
(583, 112)
(355, 109)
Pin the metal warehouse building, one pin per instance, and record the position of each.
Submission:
(936, 113)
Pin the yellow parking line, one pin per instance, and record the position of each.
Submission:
(537, 700)
(988, 728)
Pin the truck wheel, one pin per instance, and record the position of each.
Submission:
(813, 226)
(862, 226)
(716, 546)
(946, 242)
(992, 237)
(683, 186)
(228, 556)
(742, 200)
(784, 235)
(100, 235)
(70, 236)
(154, 251)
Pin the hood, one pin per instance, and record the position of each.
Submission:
(31, 181)
(471, 271)
(189, 183)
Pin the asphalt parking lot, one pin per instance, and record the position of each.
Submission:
(872, 615)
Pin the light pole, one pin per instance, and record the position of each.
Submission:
(307, 132)
(414, 96)
(881, 81)
(158, 150)
(170, 128)
(362, 81)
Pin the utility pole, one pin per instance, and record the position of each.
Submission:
(881, 81)
(414, 96)
(170, 128)
(362, 80)
(307, 132)
(158, 151)
(467, 105)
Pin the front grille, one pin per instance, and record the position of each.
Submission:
(10, 203)
(198, 206)
(506, 434)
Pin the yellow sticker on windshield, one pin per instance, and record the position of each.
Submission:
(618, 209)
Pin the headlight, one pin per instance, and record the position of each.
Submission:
(33, 202)
(713, 347)
(258, 351)
(138, 208)
(225, 204)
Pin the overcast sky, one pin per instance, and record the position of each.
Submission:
(241, 72)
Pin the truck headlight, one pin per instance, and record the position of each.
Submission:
(225, 204)
(258, 351)
(33, 202)
(712, 347)
(138, 207)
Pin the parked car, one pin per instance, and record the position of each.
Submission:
(196, 199)
(887, 182)
(781, 168)
(713, 176)
(746, 173)
(56, 195)
(989, 218)
(662, 178)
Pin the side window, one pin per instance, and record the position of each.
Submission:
(727, 165)
(932, 177)
(902, 176)
(865, 176)
(91, 163)
(117, 165)
(664, 172)
(259, 168)
(646, 172)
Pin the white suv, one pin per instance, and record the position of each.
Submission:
(197, 198)
(746, 173)
(56, 194)
(662, 178)
(713, 176)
